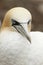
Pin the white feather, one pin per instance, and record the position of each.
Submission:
(17, 51)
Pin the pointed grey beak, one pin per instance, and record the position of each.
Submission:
(20, 29)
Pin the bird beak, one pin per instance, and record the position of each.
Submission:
(21, 30)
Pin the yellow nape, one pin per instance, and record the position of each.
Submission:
(6, 22)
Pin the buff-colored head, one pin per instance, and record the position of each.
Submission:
(18, 18)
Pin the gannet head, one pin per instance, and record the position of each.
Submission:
(20, 19)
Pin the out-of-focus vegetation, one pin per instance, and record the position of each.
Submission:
(35, 7)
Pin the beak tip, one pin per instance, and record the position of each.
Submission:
(29, 39)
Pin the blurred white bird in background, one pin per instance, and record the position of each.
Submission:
(15, 39)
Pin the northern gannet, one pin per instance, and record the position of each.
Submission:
(15, 38)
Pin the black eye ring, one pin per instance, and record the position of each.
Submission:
(14, 22)
(29, 21)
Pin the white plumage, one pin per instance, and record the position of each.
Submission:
(15, 49)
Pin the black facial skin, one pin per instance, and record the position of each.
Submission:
(14, 22)
(29, 21)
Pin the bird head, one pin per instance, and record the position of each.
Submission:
(18, 19)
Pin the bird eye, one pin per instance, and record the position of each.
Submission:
(14, 22)
(29, 21)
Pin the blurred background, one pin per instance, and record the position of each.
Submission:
(34, 6)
